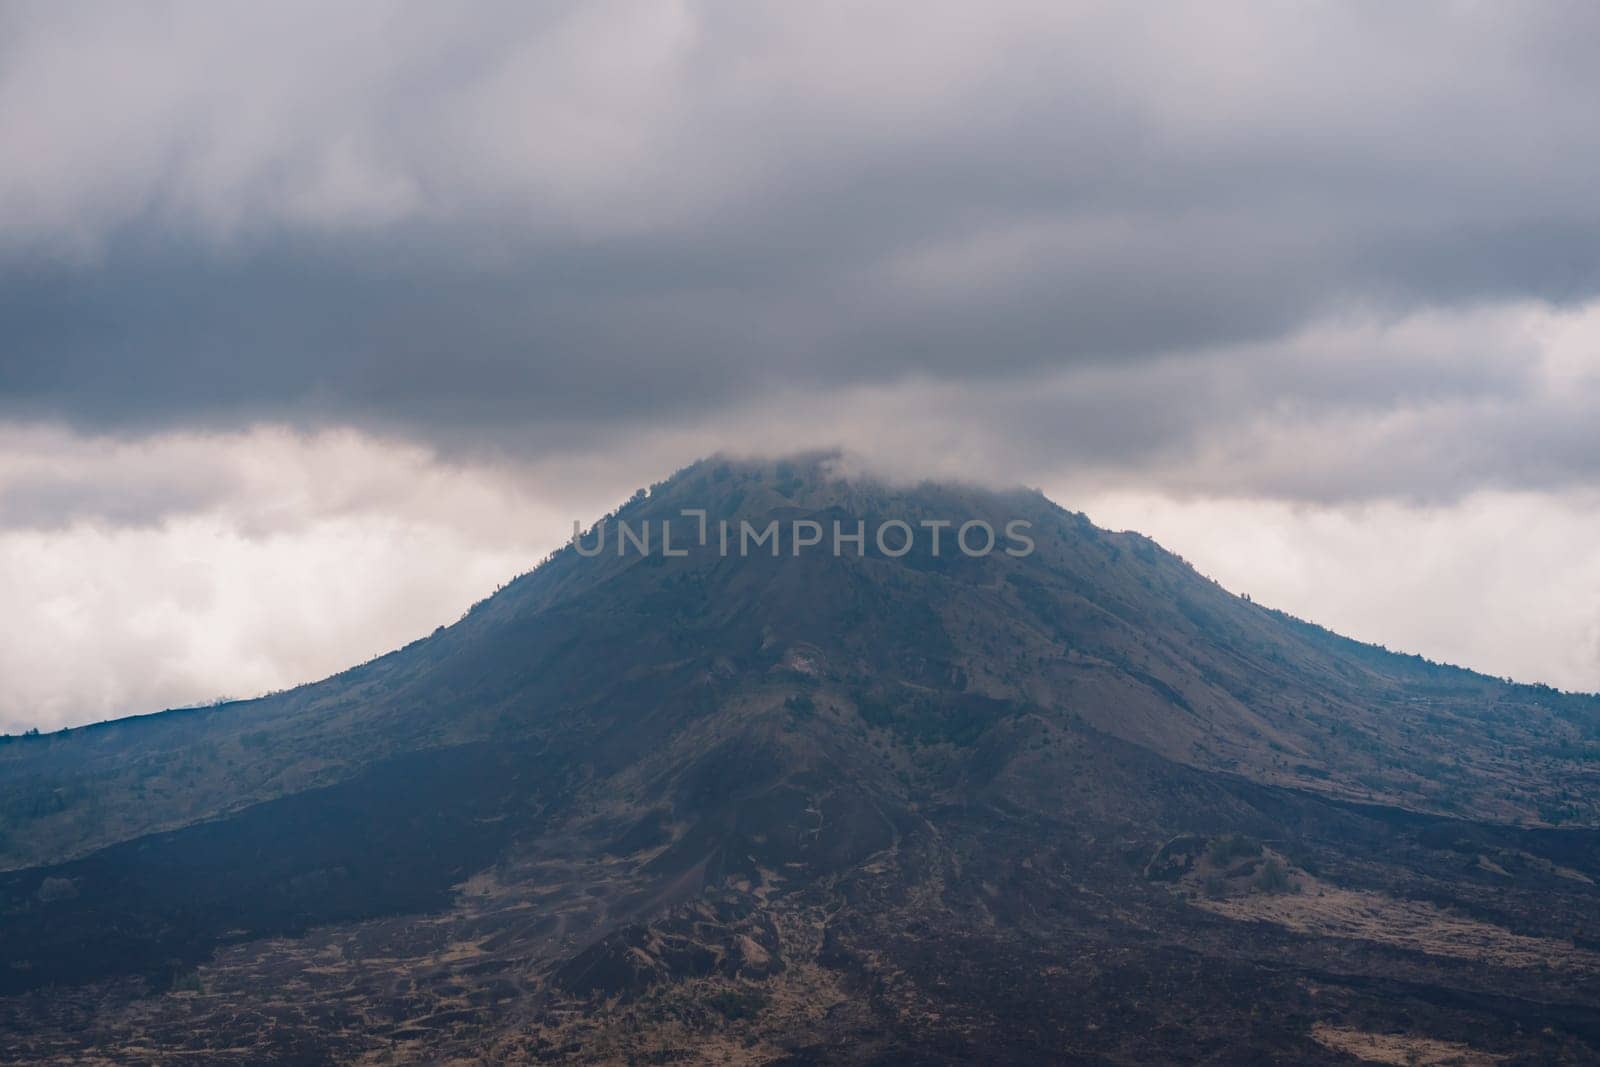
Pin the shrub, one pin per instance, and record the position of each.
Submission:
(737, 1003)
(53, 889)
(1273, 878)
(1229, 847)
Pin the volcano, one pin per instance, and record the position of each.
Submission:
(894, 804)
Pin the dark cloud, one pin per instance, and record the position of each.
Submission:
(510, 227)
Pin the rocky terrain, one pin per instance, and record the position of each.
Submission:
(1082, 805)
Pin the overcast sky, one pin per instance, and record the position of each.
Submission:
(317, 323)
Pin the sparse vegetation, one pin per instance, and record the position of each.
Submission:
(1273, 877)
(1227, 848)
(738, 1003)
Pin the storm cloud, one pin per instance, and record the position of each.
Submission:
(500, 226)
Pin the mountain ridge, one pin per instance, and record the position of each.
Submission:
(1082, 803)
(805, 487)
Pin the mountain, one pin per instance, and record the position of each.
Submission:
(1075, 803)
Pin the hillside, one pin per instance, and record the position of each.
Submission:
(1079, 803)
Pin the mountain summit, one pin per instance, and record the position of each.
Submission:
(822, 799)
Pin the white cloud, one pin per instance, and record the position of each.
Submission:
(105, 622)
(182, 568)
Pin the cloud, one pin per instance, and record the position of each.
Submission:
(1425, 407)
(175, 569)
(503, 227)
(269, 480)
(102, 622)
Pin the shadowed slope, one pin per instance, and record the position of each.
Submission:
(989, 807)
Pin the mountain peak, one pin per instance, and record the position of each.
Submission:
(680, 755)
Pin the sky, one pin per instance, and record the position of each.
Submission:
(318, 324)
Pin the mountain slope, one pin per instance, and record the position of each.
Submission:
(1079, 802)
(1106, 626)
